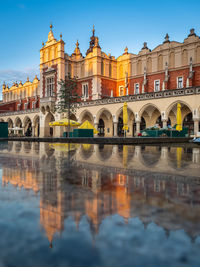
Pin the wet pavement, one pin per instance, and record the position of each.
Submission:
(99, 205)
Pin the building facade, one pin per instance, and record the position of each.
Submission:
(151, 82)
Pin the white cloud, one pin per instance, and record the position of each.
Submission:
(10, 76)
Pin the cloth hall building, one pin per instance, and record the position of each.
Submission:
(152, 82)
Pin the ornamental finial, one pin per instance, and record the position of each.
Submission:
(93, 30)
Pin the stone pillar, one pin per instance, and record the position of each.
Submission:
(164, 123)
(115, 129)
(96, 127)
(137, 127)
(33, 130)
(196, 126)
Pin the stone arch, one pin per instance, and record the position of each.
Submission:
(48, 131)
(10, 123)
(151, 115)
(18, 122)
(36, 126)
(172, 110)
(86, 115)
(1, 120)
(106, 116)
(27, 124)
(131, 122)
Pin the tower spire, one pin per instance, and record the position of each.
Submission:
(93, 30)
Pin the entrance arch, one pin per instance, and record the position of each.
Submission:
(27, 126)
(101, 127)
(48, 131)
(151, 115)
(36, 124)
(105, 122)
(131, 123)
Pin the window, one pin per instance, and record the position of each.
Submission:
(137, 88)
(18, 107)
(85, 93)
(50, 86)
(180, 82)
(121, 91)
(25, 106)
(157, 85)
(33, 104)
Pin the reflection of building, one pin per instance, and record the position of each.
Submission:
(96, 192)
(152, 83)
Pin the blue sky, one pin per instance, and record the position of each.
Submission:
(24, 25)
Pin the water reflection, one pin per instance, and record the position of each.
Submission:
(157, 185)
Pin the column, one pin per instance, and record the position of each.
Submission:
(164, 123)
(96, 127)
(137, 127)
(115, 129)
(196, 126)
(33, 130)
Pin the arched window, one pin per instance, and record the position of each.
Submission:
(110, 70)
(160, 62)
(139, 67)
(149, 65)
(102, 68)
(172, 60)
(82, 70)
(198, 55)
(184, 57)
(121, 71)
(90, 71)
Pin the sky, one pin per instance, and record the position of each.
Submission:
(24, 25)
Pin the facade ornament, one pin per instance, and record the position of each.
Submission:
(61, 36)
(27, 79)
(4, 85)
(126, 50)
(42, 43)
(166, 72)
(145, 80)
(192, 33)
(191, 72)
(126, 82)
(166, 39)
(93, 31)
(144, 46)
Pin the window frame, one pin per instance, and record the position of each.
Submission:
(50, 85)
(121, 87)
(136, 84)
(155, 86)
(85, 94)
(178, 82)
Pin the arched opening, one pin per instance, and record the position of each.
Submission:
(131, 123)
(101, 127)
(27, 127)
(186, 116)
(86, 116)
(142, 124)
(120, 131)
(48, 131)
(151, 116)
(37, 126)
(188, 122)
(10, 127)
(105, 125)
